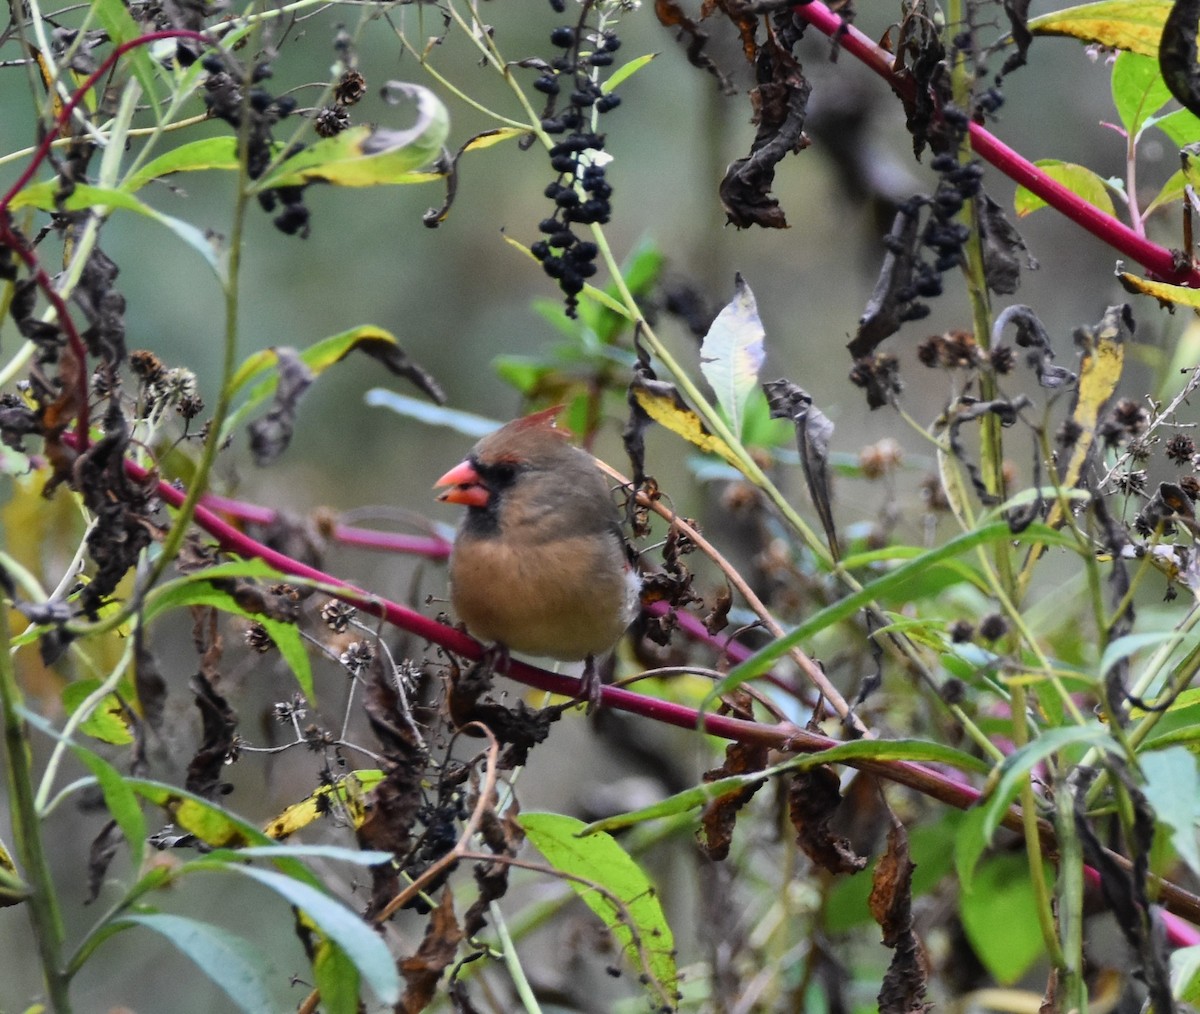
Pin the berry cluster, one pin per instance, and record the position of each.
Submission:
(581, 192)
(223, 95)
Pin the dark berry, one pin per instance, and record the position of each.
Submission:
(546, 84)
(607, 102)
(540, 249)
(563, 36)
(600, 60)
(566, 198)
(562, 163)
(558, 6)
(611, 43)
(562, 239)
(553, 266)
(582, 98)
(549, 225)
(552, 126)
(586, 251)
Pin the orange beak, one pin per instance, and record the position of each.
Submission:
(466, 486)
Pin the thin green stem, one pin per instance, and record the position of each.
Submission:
(1033, 842)
(44, 912)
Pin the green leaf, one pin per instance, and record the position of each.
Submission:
(1080, 180)
(1013, 771)
(119, 796)
(356, 938)
(198, 589)
(912, 750)
(340, 853)
(1138, 90)
(1173, 190)
(1133, 25)
(999, 915)
(1173, 789)
(630, 908)
(232, 962)
(1185, 974)
(44, 196)
(880, 587)
(209, 153)
(376, 342)
(336, 978)
(1128, 645)
(1182, 126)
(626, 71)
(732, 353)
(368, 156)
(107, 720)
(121, 28)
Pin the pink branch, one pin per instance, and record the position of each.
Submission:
(1158, 261)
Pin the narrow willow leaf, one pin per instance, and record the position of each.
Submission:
(732, 353)
(880, 587)
(84, 196)
(626, 71)
(467, 423)
(1133, 25)
(232, 962)
(641, 926)
(1013, 771)
(359, 940)
(209, 153)
(121, 28)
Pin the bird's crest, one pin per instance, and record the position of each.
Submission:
(544, 419)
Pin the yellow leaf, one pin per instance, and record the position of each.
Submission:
(346, 795)
(1133, 25)
(1168, 295)
(662, 403)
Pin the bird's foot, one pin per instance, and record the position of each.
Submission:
(591, 687)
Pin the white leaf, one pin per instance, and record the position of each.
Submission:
(733, 352)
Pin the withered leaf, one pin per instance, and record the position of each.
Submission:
(893, 293)
(720, 816)
(397, 361)
(1031, 335)
(782, 104)
(423, 970)
(218, 722)
(1003, 248)
(270, 435)
(903, 988)
(1177, 54)
(1018, 20)
(813, 432)
(968, 409)
(670, 15)
(100, 856)
(1168, 504)
(813, 799)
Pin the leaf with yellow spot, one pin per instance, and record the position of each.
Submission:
(1133, 25)
(346, 795)
(662, 403)
(1168, 295)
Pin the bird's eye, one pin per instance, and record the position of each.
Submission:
(503, 473)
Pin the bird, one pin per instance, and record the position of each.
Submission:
(539, 564)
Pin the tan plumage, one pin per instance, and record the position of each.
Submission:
(538, 564)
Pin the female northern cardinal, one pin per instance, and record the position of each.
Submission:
(539, 564)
